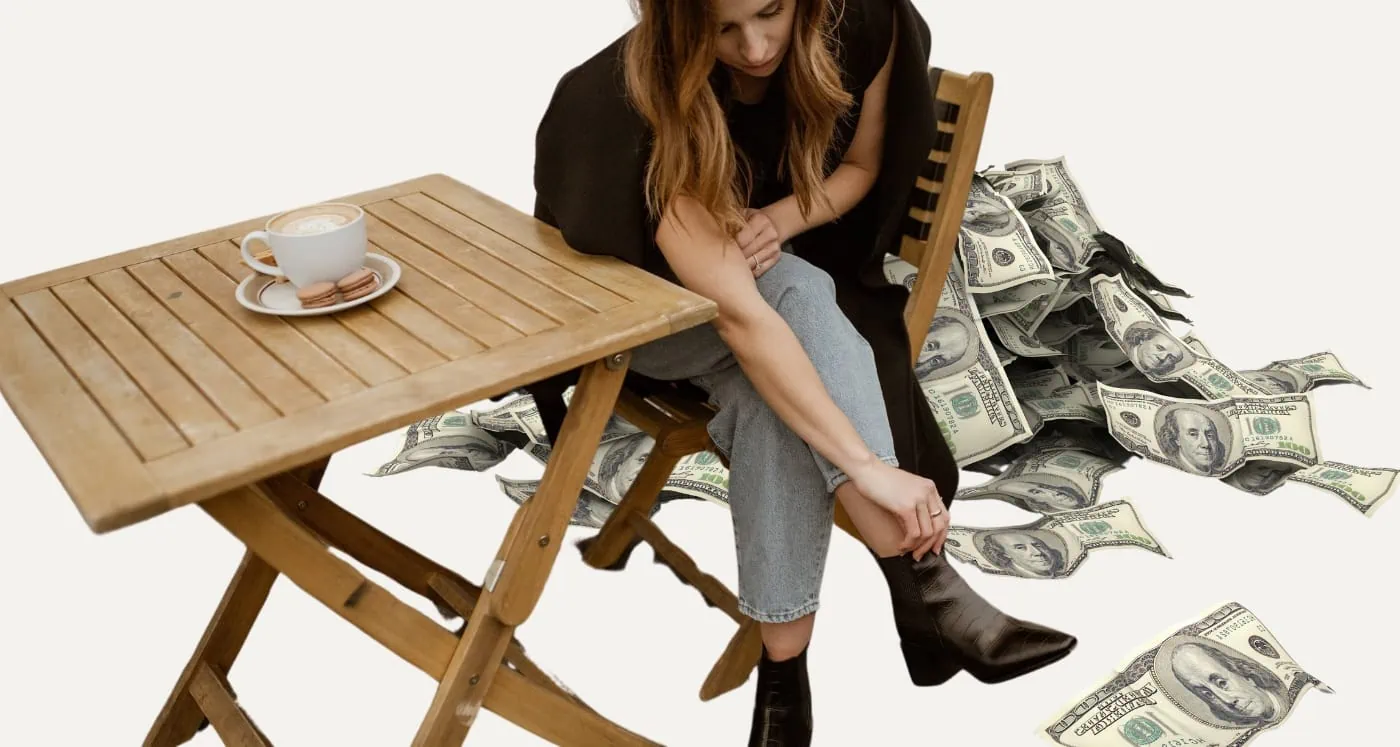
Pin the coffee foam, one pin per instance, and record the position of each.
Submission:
(315, 219)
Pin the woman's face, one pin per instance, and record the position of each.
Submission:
(754, 35)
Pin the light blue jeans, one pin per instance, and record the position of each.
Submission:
(780, 489)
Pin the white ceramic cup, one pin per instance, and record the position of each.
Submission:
(312, 244)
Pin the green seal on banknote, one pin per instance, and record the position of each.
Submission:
(965, 405)
(1141, 731)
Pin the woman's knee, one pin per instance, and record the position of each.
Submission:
(794, 282)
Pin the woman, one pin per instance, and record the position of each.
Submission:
(739, 148)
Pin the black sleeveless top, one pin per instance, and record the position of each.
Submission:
(862, 34)
(605, 162)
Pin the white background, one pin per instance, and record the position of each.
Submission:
(1245, 148)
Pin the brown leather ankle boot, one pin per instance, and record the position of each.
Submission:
(782, 711)
(945, 626)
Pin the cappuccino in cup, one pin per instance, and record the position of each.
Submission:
(313, 244)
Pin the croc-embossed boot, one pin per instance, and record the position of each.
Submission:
(944, 626)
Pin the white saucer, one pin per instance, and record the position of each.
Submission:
(263, 294)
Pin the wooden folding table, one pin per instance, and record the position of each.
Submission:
(147, 387)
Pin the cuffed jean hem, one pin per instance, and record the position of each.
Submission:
(778, 617)
(834, 481)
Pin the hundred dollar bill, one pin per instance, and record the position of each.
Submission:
(1302, 374)
(1004, 357)
(1220, 680)
(1364, 489)
(1028, 317)
(1049, 480)
(1052, 546)
(1014, 298)
(1039, 383)
(1158, 353)
(1017, 341)
(1018, 186)
(622, 451)
(1074, 402)
(1190, 340)
(1061, 220)
(965, 385)
(1096, 349)
(1056, 329)
(698, 476)
(1077, 290)
(995, 243)
(1212, 438)
(590, 511)
(452, 440)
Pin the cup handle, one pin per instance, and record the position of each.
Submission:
(255, 263)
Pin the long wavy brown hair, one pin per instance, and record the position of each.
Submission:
(670, 56)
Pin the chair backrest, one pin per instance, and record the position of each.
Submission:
(939, 198)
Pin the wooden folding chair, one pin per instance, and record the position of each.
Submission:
(675, 413)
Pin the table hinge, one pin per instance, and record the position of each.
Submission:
(493, 573)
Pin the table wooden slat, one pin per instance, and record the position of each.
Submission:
(389, 338)
(186, 406)
(69, 428)
(429, 328)
(541, 238)
(490, 300)
(544, 270)
(143, 424)
(498, 302)
(280, 386)
(346, 347)
(522, 285)
(220, 383)
(317, 368)
(455, 310)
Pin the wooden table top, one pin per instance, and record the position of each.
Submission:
(147, 386)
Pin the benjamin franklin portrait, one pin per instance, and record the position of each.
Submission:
(950, 348)
(986, 215)
(1273, 382)
(1219, 686)
(1154, 351)
(1024, 552)
(1195, 438)
(622, 462)
(1043, 493)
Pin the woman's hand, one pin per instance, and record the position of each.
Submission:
(760, 241)
(913, 500)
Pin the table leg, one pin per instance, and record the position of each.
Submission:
(223, 639)
(518, 575)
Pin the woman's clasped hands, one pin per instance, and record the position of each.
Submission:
(760, 241)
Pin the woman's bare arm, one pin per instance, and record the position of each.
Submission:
(710, 263)
(860, 166)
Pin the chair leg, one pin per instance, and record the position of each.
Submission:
(611, 547)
